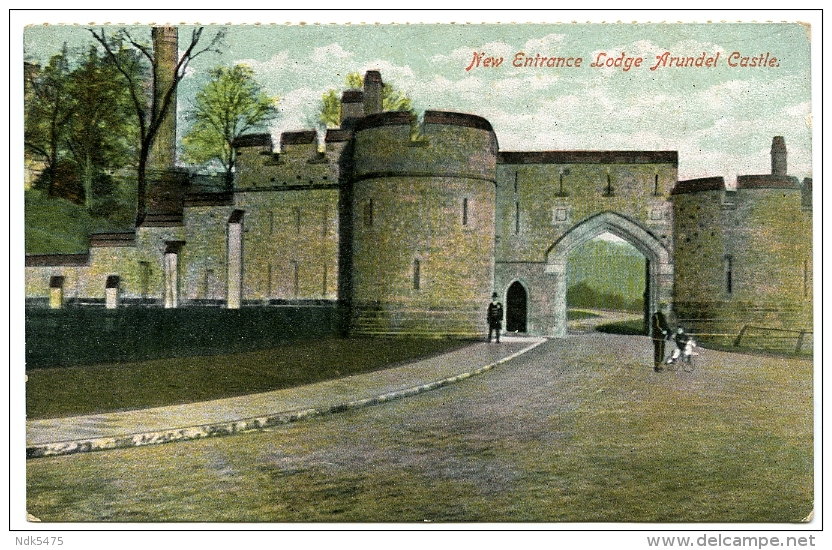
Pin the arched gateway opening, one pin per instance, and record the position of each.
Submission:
(516, 307)
(606, 283)
(658, 269)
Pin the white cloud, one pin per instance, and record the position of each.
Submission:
(801, 110)
(330, 52)
(277, 62)
(549, 44)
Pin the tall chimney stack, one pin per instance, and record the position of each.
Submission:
(165, 186)
(778, 156)
(372, 92)
(165, 56)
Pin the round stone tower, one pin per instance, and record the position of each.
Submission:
(744, 255)
(423, 224)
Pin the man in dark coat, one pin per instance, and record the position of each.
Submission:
(659, 332)
(495, 317)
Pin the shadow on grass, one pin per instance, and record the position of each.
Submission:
(634, 327)
(577, 314)
(76, 390)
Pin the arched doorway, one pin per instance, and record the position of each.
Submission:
(659, 266)
(516, 308)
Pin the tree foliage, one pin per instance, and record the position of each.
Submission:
(48, 107)
(102, 134)
(231, 104)
(152, 99)
(391, 100)
(77, 126)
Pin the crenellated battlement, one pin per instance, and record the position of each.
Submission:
(447, 144)
(299, 163)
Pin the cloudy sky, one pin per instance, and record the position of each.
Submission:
(721, 119)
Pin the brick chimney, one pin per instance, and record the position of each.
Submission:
(352, 107)
(165, 55)
(372, 92)
(778, 156)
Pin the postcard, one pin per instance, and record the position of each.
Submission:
(420, 274)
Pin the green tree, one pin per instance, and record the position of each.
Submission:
(231, 104)
(391, 100)
(101, 136)
(48, 107)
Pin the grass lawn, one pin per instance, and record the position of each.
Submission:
(579, 429)
(67, 391)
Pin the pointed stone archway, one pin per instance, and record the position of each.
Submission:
(516, 307)
(659, 281)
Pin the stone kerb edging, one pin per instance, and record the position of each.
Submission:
(248, 425)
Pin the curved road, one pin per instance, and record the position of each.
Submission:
(578, 429)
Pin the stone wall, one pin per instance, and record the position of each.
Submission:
(744, 257)
(549, 203)
(423, 224)
(290, 244)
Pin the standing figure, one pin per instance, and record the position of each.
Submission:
(660, 332)
(495, 317)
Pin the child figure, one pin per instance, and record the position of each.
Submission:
(684, 346)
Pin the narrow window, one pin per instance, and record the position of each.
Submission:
(325, 222)
(729, 268)
(269, 280)
(296, 214)
(608, 191)
(656, 185)
(209, 280)
(805, 278)
(465, 211)
(417, 274)
(271, 223)
(323, 291)
(563, 172)
(368, 213)
(517, 218)
(296, 286)
(516, 206)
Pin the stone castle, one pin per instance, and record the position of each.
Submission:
(410, 233)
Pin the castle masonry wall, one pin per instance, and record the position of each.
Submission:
(744, 258)
(139, 267)
(423, 225)
(543, 197)
(536, 206)
(773, 251)
(462, 147)
(420, 220)
(204, 265)
(290, 244)
(297, 164)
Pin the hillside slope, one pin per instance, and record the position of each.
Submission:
(57, 226)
